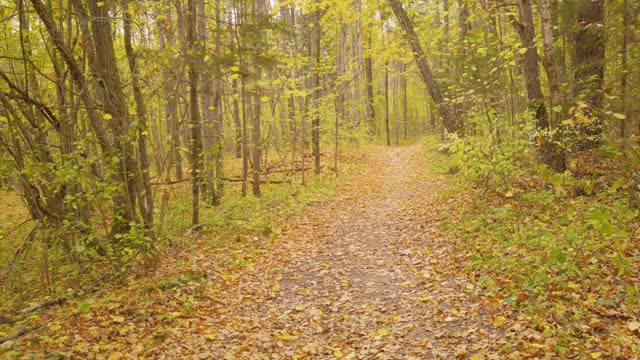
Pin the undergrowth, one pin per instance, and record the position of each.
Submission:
(44, 272)
(562, 248)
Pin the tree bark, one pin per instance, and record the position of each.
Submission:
(553, 155)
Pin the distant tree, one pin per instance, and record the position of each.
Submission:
(589, 63)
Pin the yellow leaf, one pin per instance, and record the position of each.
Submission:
(424, 298)
(117, 318)
(476, 357)
(634, 325)
(211, 336)
(596, 355)
(338, 354)
(115, 356)
(286, 336)
(499, 321)
(382, 332)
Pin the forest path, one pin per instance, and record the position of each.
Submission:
(365, 276)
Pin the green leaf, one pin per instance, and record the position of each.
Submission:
(522, 50)
(107, 116)
(619, 116)
(561, 257)
(84, 307)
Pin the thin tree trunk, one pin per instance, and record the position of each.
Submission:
(259, 14)
(144, 182)
(236, 120)
(533, 87)
(218, 132)
(552, 154)
(208, 112)
(194, 113)
(315, 125)
(386, 102)
(368, 73)
(589, 67)
(405, 111)
(622, 129)
(448, 118)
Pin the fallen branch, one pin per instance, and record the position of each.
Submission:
(195, 229)
(170, 182)
(7, 320)
(270, 170)
(91, 288)
(21, 249)
(23, 330)
(43, 304)
(261, 181)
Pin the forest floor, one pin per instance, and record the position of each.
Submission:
(391, 260)
(366, 274)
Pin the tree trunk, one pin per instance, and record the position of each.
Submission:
(236, 119)
(259, 15)
(315, 55)
(552, 154)
(218, 132)
(194, 113)
(622, 129)
(145, 192)
(450, 122)
(207, 109)
(386, 102)
(589, 67)
(368, 74)
(405, 110)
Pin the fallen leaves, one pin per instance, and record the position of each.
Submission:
(498, 321)
(369, 275)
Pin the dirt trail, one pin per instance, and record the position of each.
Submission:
(366, 276)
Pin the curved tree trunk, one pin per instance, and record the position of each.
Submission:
(452, 124)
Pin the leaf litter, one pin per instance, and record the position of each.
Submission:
(367, 275)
